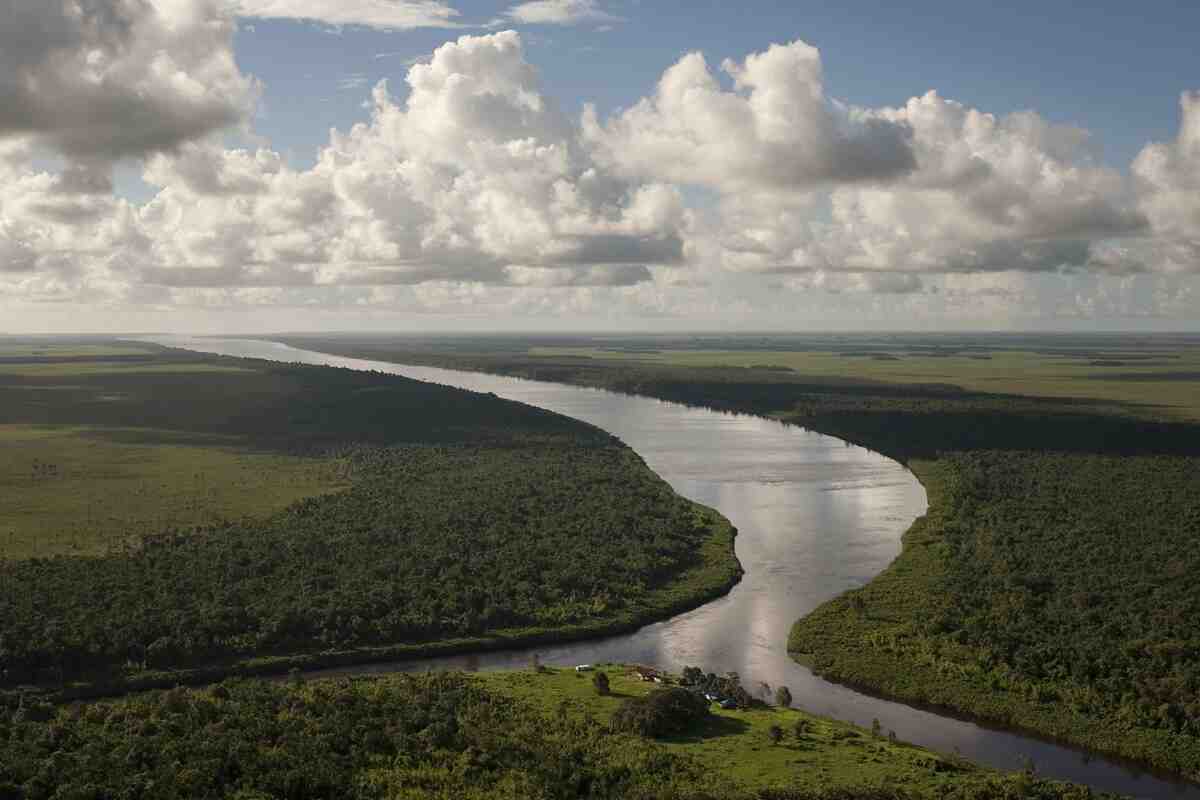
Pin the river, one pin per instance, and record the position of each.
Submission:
(815, 517)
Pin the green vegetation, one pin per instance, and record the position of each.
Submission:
(1150, 375)
(1051, 585)
(436, 520)
(503, 735)
(1047, 591)
(663, 712)
(77, 491)
(1112, 375)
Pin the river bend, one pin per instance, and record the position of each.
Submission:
(815, 517)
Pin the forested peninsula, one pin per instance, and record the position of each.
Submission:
(1051, 587)
(387, 518)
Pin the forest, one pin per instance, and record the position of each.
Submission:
(1051, 585)
(1053, 592)
(466, 522)
(439, 735)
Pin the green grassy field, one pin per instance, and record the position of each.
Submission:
(737, 743)
(84, 489)
(76, 491)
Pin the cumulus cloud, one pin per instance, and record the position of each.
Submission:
(467, 189)
(396, 15)
(559, 12)
(105, 79)
(775, 128)
(602, 275)
(475, 176)
(1170, 176)
(1168, 180)
(839, 282)
(985, 194)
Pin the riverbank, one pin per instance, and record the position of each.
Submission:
(1037, 666)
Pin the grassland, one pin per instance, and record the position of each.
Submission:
(77, 491)
(1051, 585)
(86, 489)
(1165, 385)
(173, 517)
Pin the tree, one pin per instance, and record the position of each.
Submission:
(660, 713)
(783, 697)
(600, 681)
(776, 734)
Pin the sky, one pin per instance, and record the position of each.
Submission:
(246, 166)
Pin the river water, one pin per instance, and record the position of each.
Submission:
(815, 517)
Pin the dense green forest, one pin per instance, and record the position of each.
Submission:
(1051, 585)
(437, 736)
(1050, 591)
(468, 522)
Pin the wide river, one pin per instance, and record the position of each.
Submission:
(815, 517)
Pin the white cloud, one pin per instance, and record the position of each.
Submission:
(775, 128)
(839, 282)
(394, 15)
(469, 192)
(1168, 180)
(559, 12)
(1170, 176)
(107, 79)
(476, 177)
(985, 194)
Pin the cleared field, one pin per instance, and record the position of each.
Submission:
(738, 743)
